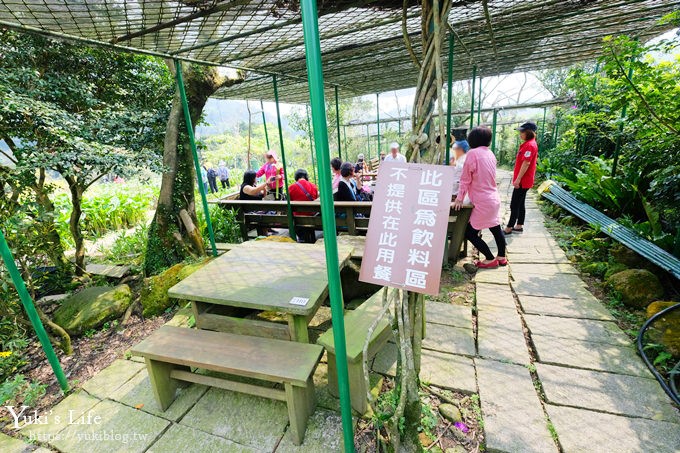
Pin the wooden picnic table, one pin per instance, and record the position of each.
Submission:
(260, 275)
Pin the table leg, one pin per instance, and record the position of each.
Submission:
(298, 328)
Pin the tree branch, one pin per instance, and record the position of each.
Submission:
(649, 108)
(407, 40)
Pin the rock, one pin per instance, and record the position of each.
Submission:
(615, 268)
(622, 254)
(666, 329)
(154, 298)
(92, 307)
(456, 449)
(450, 412)
(656, 307)
(638, 287)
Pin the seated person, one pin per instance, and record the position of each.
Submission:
(336, 163)
(303, 190)
(249, 189)
(347, 187)
(360, 165)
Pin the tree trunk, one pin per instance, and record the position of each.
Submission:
(54, 250)
(74, 222)
(169, 241)
(421, 145)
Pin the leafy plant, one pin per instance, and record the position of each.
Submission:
(19, 389)
(224, 222)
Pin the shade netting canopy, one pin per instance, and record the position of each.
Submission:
(362, 42)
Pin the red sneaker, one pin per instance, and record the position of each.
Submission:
(502, 261)
(490, 265)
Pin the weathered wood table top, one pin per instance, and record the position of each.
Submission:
(263, 275)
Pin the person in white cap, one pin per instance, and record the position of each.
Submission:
(395, 155)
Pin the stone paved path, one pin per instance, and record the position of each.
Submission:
(552, 370)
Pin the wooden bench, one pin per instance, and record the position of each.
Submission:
(357, 323)
(351, 217)
(170, 352)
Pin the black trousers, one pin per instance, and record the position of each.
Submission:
(517, 210)
(225, 183)
(472, 235)
(213, 184)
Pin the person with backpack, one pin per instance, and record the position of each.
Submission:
(223, 174)
(212, 178)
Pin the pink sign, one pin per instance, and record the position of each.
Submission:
(407, 228)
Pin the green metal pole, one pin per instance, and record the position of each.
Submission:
(449, 100)
(337, 120)
(192, 143)
(344, 136)
(472, 91)
(542, 127)
(310, 28)
(399, 128)
(264, 122)
(479, 103)
(311, 144)
(289, 212)
(617, 148)
(377, 115)
(493, 130)
(556, 131)
(32, 313)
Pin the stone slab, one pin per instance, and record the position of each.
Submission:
(11, 445)
(180, 438)
(577, 329)
(137, 393)
(448, 371)
(121, 429)
(385, 361)
(500, 335)
(543, 269)
(490, 295)
(244, 419)
(324, 434)
(606, 392)
(562, 286)
(498, 276)
(537, 258)
(107, 270)
(582, 308)
(588, 355)
(448, 314)
(454, 340)
(594, 432)
(106, 382)
(73, 405)
(513, 417)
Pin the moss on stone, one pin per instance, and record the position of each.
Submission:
(154, 296)
(614, 268)
(638, 287)
(666, 329)
(92, 307)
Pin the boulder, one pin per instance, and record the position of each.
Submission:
(450, 412)
(622, 254)
(638, 287)
(154, 297)
(666, 329)
(92, 307)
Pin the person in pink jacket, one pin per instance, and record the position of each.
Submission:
(273, 174)
(478, 181)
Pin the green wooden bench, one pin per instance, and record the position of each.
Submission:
(171, 352)
(357, 323)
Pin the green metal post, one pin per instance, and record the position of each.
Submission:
(449, 100)
(479, 103)
(289, 212)
(311, 144)
(493, 130)
(192, 143)
(337, 120)
(556, 131)
(472, 102)
(32, 313)
(542, 127)
(264, 123)
(310, 28)
(617, 148)
(377, 115)
(399, 128)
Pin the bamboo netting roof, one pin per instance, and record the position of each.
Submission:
(362, 41)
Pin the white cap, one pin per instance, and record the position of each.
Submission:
(394, 145)
(360, 156)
